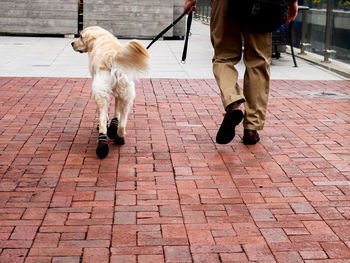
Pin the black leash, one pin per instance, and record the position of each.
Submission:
(184, 52)
(189, 22)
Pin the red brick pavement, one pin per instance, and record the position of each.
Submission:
(171, 194)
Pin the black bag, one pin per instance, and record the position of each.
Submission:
(262, 15)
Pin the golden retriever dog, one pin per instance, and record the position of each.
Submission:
(113, 67)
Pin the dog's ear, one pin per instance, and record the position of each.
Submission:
(86, 35)
(88, 39)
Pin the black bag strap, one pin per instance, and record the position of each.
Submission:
(189, 23)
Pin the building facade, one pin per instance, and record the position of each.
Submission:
(124, 18)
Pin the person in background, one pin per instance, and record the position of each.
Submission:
(227, 42)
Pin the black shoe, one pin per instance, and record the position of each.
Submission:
(102, 149)
(112, 129)
(250, 137)
(226, 131)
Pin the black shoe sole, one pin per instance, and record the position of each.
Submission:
(226, 131)
(250, 142)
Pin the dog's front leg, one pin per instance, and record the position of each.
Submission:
(102, 114)
(101, 91)
(102, 107)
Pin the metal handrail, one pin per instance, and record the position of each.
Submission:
(203, 11)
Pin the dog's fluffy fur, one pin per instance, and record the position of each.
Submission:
(113, 68)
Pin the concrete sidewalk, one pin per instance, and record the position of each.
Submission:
(170, 194)
(54, 57)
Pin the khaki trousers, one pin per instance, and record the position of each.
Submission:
(227, 42)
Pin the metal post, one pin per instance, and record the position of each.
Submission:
(327, 51)
(203, 11)
(200, 9)
(303, 31)
(207, 9)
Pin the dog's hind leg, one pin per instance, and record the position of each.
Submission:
(125, 109)
(125, 103)
(113, 126)
(117, 108)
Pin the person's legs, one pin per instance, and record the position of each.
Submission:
(227, 43)
(257, 59)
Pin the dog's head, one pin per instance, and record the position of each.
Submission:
(87, 39)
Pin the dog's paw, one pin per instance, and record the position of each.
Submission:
(119, 140)
(102, 149)
(112, 129)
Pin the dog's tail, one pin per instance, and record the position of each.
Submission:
(133, 58)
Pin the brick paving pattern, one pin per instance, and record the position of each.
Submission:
(171, 194)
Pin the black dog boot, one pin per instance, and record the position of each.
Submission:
(102, 147)
(119, 140)
(112, 129)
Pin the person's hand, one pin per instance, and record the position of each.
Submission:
(292, 11)
(190, 4)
